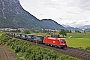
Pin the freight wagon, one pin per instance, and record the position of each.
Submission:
(31, 37)
(39, 39)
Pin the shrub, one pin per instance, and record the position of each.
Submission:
(88, 48)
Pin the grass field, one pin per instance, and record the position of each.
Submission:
(79, 35)
(78, 40)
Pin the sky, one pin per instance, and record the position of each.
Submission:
(74, 13)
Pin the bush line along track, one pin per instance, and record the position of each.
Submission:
(75, 52)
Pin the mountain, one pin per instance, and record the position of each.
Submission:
(51, 24)
(65, 26)
(86, 27)
(70, 28)
(12, 15)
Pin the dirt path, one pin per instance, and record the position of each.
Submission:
(5, 54)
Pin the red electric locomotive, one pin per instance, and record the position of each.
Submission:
(57, 42)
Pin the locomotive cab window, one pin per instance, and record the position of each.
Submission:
(62, 41)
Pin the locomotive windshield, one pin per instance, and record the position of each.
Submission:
(62, 41)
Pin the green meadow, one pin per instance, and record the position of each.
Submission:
(78, 40)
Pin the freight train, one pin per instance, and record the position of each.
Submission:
(52, 41)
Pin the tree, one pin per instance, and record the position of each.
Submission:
(27, 32)
(70, 31)
(63, 32)
(77, 31)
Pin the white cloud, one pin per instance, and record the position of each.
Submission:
(69, 12)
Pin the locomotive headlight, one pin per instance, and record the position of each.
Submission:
(63, 44)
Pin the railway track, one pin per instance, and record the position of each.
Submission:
(75, 52)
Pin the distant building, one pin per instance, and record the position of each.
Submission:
(21, 29)
(7, 29)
